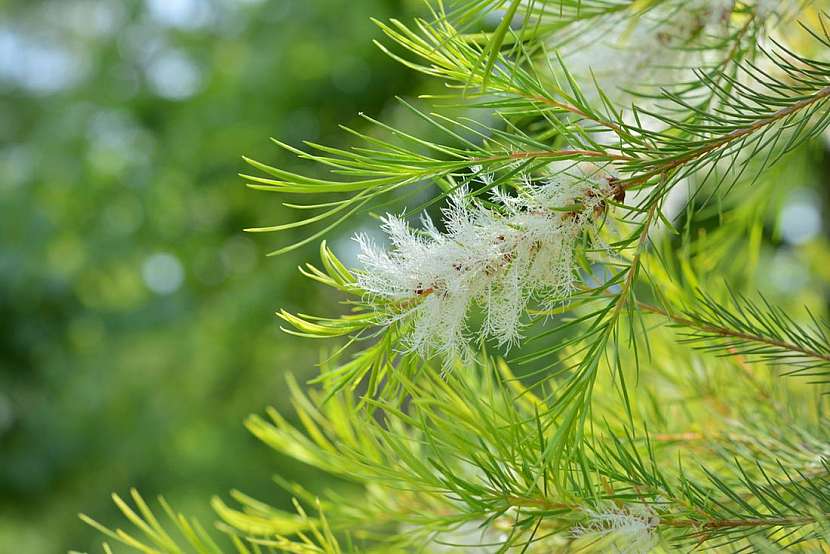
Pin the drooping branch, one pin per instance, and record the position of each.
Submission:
(719, 332)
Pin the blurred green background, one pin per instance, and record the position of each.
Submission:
(136, 318)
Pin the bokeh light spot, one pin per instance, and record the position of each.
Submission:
(162, 273)
(800, 219)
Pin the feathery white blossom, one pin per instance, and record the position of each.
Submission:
(630, 529)
(498, 259)
(651, 51)
(490, 536)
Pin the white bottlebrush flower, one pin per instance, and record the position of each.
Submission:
(649, 51)
(472, 537)
(489, 537)
(769, 8)
(630, 529)
(498, 259)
